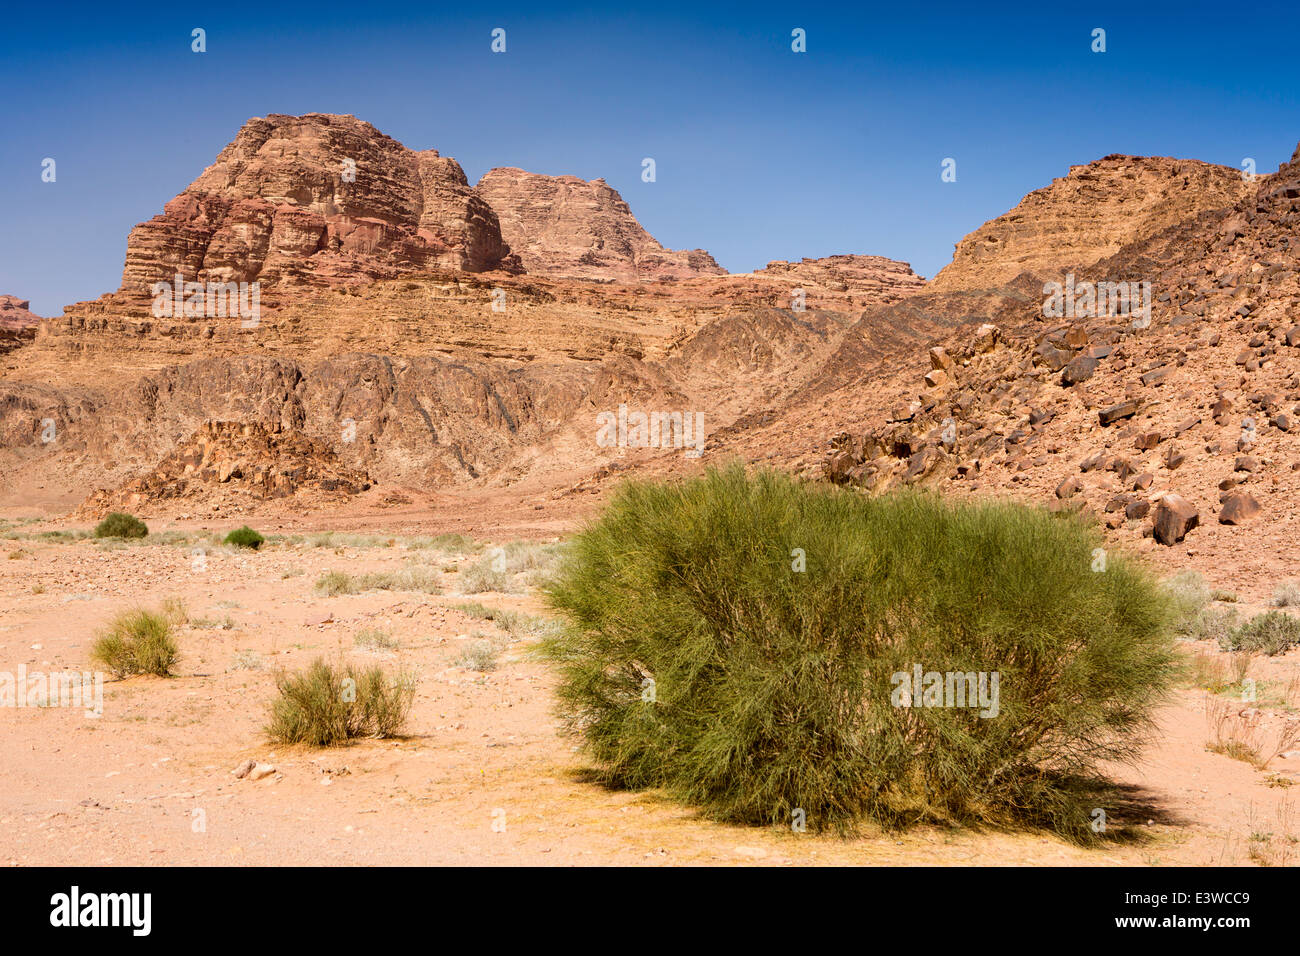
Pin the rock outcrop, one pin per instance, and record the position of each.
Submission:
(317, 199)
(17, 322)
(566, 226)
(1087, 215)
(236, 460)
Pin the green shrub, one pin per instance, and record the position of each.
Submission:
(327, 705)
(137, 642)
(119, 525)
(699, 658)
(1270, 633)
(245, 537)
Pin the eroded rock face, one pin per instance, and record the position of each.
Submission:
(17, 322)
(1087, 215)
(566, 226)
(320, 198)
(238, 460)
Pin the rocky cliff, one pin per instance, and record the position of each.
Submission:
(565, 226)
(315, 199)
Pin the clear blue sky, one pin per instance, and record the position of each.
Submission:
(762, 153)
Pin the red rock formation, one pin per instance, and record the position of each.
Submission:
(17, 322)
(565, 226)
(319, 198)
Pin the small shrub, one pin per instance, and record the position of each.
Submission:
(487, 575)
(332, 583)
(375, 639)
(327, 705)
(1212, 624)
(1286, 594)
(1227, 597)
(137, 642)
(1271, 633)
(247, 661)
(1190, 595)
(119, 525)
(478, 655)
(701, 659)
(245, 537)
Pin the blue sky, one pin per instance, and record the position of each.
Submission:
(761, 153)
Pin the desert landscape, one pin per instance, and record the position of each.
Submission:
(422, 389)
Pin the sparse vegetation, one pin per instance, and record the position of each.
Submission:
(327, 705)
(120, 525)
(421, 579)
(1238, 732)
(375, 639)
(478, 655)
(245, 537)
(247, 661)
(174, 609)
(137, 642)
(1189, 595)
(1286, 594)
(736, 640)
(488, 575)
(1271, 633)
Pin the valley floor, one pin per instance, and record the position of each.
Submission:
(485, 777)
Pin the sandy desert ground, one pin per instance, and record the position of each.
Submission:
(485, 776)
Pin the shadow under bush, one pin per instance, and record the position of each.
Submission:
(698, 658)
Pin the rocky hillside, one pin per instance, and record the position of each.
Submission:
(1175, 428)
(565, 226)
(1088, 215)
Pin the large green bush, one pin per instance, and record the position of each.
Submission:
(117, 524)
(698, 658)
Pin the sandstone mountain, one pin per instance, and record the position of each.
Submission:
(448, 386)
(316, 199)
(1087, 215)
(564, 226)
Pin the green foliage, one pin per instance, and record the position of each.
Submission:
(326, 705)
(119, 525)
(699, 659)
(245, 537)
(1270, 633)
(137, 642)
